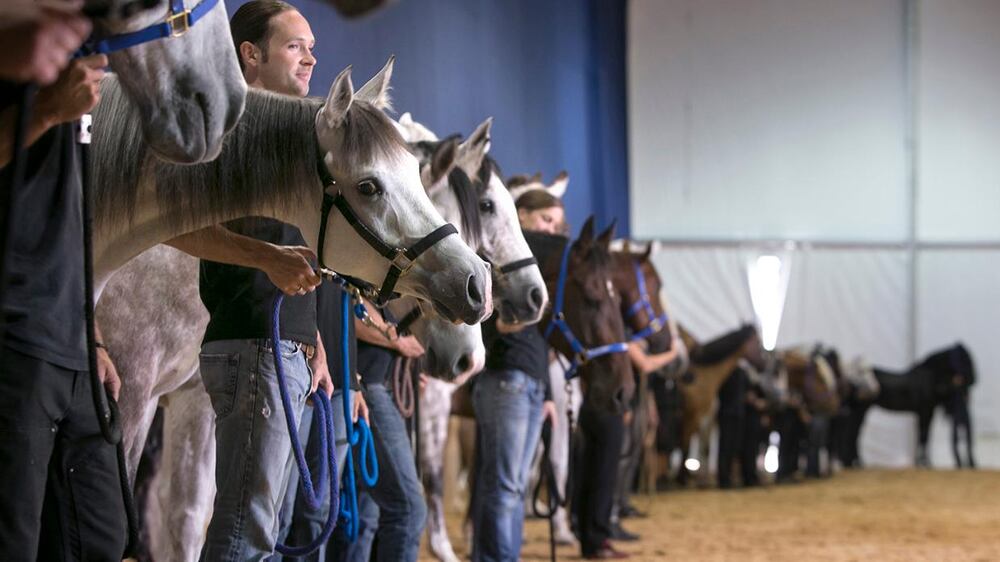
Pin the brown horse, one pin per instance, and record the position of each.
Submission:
(711, 365)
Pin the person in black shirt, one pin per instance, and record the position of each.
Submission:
(512, 398)
(58, 476)
(254, 460)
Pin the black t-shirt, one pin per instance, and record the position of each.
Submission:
(328, 319)
(240, 300)
(524, 350)
(374, 361)
(43, 303)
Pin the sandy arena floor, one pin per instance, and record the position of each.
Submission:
(864, 516)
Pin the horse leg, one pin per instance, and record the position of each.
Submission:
(185, 486)
(924, 418)
(435, 405)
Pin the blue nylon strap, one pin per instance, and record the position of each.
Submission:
(581, 353)
(156, 31)
(656, 323)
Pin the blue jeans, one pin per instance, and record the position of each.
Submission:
(253, 451)
(300, 525)
(395, 507)
(508, 422)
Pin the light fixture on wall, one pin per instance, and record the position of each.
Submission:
(768, 279)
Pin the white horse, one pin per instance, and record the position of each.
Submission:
(153, 319)
(188, 88)
(520, 296)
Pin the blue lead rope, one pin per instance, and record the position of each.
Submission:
(357, 434)
(327, 474)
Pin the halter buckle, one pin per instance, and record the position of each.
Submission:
(179, 23)
(656, 324)
(401, 261)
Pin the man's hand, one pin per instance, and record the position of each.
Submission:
(107, 373)
(359, 407)
(38, 38)
(549, 413)
(408, 346)
(320, 377)
(76, 92)
(289, 269)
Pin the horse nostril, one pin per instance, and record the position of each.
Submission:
(536, 297)
(464, 364)
(474, 291)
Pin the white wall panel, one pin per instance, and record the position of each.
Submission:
(959, 120)
(767, 119)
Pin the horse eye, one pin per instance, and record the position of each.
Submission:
(486, 206)
(369, 188)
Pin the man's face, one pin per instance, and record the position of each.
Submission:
(288, 65)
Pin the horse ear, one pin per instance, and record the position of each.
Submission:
(339, 100)
(537, 178)
(647, 253)
(558, 187)
(474, 149)
(443, 159)
(406, 119)
(605, 238)
(587, 232)
(376, 91)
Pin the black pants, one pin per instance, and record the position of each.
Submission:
(596, 473)
(752, 433)
(792, 431)
(730, 444)
(60, 497)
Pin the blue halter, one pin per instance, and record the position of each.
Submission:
(581, 354)
(656, 322)
(178, 21)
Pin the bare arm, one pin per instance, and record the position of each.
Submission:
(287, 267)
(646, 363)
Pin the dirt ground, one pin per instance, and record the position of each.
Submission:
(865, 516)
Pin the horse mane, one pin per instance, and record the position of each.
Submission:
(723, 346)
(467, 196)
(270, 159)
(489, 167)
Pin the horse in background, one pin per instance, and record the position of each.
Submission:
(711, 364)
(944, 378)
(811, 401)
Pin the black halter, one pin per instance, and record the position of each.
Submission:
(403, 326)
(519, 264)
(400, 259)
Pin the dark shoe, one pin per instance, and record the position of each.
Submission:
(631, 511)
(606, 552)
(620, 534)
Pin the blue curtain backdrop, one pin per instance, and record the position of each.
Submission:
(550, 72)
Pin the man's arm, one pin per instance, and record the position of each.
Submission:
(37, 38)
(76, 92)
(287, 267)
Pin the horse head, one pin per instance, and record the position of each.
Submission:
(454, 351)
(465, 186)
(372, 169)
(590, 309)
(188, 87)
(639, 286)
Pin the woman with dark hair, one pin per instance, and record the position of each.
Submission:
(512, 398)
